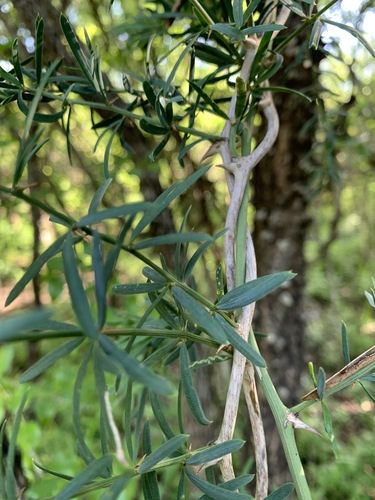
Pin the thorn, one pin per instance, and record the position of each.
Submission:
(298, 424)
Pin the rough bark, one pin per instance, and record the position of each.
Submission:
(280, 201)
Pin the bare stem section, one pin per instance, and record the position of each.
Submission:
(238, 170)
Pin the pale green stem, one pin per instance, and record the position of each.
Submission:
(285, 429)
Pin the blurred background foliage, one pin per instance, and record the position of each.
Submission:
(340, 246)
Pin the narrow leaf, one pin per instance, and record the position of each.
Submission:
(149, 481)
(114, 253)
(94, 469)
(159, 148)
(238, 13)
(118, 486)
(137, 288)
(49, 359)
(35, 268)
(150, 94)
(287, 91)
(10, 459)
(294, 6)
(98, 196)
(253, 290)
(345, 343)
(82, 447)
(321, 383)
(39, 117)
(263, 28)
(354, 32)
(39, 29)
(76, 291)
(176, 66)
(16, 61)
(166, 198)
(113, 213)
(100, 284)
(240, 344)
(199, 315)
(189, 389)
(8, 77)
(164, 451)
(225, 29)
(214, 491)
(24, 322)
(197, 255)
(215, 451)
(283, 492)
(328, 427)
(75, 47)
(316, 34)
(160, 417)
(172, 239)
(207, 99)
(152, 128)
(153, 275)
(251, 9)
(134, 368)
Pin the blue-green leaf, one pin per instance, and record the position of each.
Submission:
(23, 322)
(152, 128)
(215, 451)
(49, 359)
(98, 196)
(166, 198)
(149, 480)
(189, 389)
(253, 290)
(321, 382)
(93, 470)
(283, 492)
(316, 34)
(197, 255)
(294, 6)
(16, 61)
(172, 239)
(214, 491)
(165, 450)
(134, 368)
(113, 213)
(233, 484)
(39, 29)
(100, 283)
(225, 29)
(34, 268)
(354, 32)
(207, 99)
(39, 117)
(76, 291)
(159, 148)
(345, 343)
(10, 459)
(200, 315)
(75, 47)
(160, 417)
(137, 288)
(238, 13)
(240, 344)
(263, 28)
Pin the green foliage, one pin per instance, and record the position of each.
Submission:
(123, 368)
